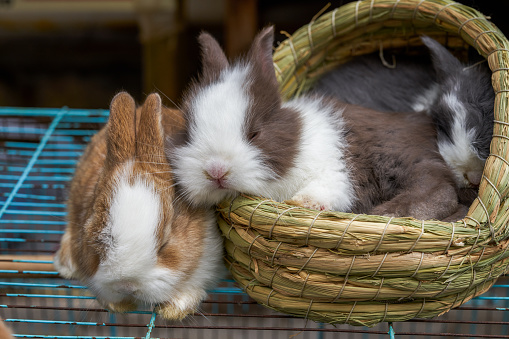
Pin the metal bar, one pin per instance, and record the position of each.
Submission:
(391, 331)
(38, 112)
(42, 285)
(60, 322)
(234, 315)
(17, 295)
(31, 231)
(28, 272)
(68, 337)
(151, 324)
(76, 309)
(38, 169)
(461, 335)
(35, 197)
(37, 178)
(16, 250)
(27, 261)
(34, 158)
(35, 130)
(10, 185)
(21, 144)
(28, 240)
(33, 222)
(58, 153)
(29, 212)
(298, 329)
(36, 204)
(439, 321)
(226, 290)
(57, 162)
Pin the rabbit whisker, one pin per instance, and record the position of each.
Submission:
(146, 144)
(159, 172)
(167, 97)
(166, 188)
(152, 162)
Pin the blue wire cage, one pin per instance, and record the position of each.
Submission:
(39, 149)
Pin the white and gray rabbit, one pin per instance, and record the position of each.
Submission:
(242, 138)
(460, 100)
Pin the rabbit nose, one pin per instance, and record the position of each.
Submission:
(474, 177)
(217, 173)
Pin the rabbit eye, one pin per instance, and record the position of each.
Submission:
(253, 135)
(163, 246)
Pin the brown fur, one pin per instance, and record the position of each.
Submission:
(180, 233)
(396, 165)
(266, 119)
(5, 333)
(212, 57)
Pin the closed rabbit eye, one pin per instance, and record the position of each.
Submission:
(163, 246)
(253, 135)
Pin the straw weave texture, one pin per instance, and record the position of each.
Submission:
(359, 269)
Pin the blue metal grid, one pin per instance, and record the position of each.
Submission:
(38, 151)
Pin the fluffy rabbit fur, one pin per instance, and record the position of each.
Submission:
(365, 81)
(127, 238)
(317, 152)
(462, 113)
(459, 99)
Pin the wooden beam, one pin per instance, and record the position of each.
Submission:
(241, 25)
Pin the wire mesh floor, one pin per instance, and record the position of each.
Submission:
(39, 149)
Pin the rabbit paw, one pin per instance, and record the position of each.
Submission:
(121, 307)
(307, 201)
(62, 260)
(182, 306)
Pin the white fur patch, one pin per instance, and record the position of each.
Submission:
(460, 154)
(129, 267)
(209, 270)
(424, 101)
(320, 173)
(63, 261)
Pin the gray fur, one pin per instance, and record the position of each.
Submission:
(396, 165)
(366, 82)
(472, 87)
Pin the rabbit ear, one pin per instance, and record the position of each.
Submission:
(213, 58)
(150, 138)
(121, 128)
(444, 62)
(260, 55)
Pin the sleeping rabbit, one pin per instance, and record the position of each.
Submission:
(459, 99)
(127, 238)
(313, 151)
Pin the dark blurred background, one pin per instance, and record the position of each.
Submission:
(79, 53)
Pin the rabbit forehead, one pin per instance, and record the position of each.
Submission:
(219, 110)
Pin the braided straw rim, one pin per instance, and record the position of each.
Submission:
(361, 269)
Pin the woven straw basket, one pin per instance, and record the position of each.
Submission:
(359, 269)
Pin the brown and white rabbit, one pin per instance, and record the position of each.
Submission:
(127, 238)
(242, 138)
